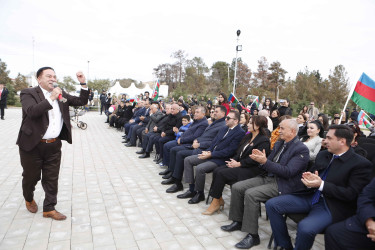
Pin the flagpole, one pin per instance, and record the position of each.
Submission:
(367, 115)
(347, 100)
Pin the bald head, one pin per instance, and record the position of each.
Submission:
(288, 129)
(175, 109)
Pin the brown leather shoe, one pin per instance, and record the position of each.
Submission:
(54, 215)
(32, 206)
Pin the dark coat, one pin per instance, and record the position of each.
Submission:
(35, 116)
(195, 130)
(365, 209)
(137, 114)
(172, 121)
(210, 133)
(222, 148)
(4, 96)
(346, 178)
(260, 142)
(293, 162)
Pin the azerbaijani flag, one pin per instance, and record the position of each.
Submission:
(155, 95)
(232, 99)
(256, 101)
(364, 93)
(362, 119)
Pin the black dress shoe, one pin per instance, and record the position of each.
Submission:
(157, 157)
(140, 152)
(187, 194)
(232, 227)
(164, 172)
(168, 181)
(248, 242)
(167, 176)
(175, 188)
(145, 155)
(129, 145)
(281, 248)
(198, 197)
(160, 160)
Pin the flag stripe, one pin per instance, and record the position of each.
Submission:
(364, 103)
(366, 80)
(365, 91)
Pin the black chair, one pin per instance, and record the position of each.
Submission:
(363, 140)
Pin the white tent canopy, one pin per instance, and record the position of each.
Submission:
(133, 91)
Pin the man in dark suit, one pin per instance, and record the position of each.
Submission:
(358, 231)
(195, 130)
(103, 104)
(178, 154)
(330, 195)
(45, 122)
(284, 165)
(134, 120)
(3, 99)
(222, 148)
(137, 128)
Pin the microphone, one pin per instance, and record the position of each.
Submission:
(60, 97)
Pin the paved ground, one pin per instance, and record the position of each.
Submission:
(112, 200)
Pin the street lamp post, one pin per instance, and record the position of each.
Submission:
(238, 48)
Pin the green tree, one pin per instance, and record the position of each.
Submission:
(195, 79)
(20, 82)
(68, 84)
(338, 89)
(261, 75)
(180, 63)
(219, 77)
(4, 73)
(276, 77)
(11, 100)
(99, 84)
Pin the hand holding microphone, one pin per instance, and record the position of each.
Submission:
(56, 94)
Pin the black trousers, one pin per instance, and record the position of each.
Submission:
(338, 237)
(43, 160)
(2, 106)
(224, 175)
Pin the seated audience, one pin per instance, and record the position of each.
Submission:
(314, 138)
(221, 149)
(284, 166)
(330, 195)
(241, 166)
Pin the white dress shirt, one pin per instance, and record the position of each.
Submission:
(55, 117)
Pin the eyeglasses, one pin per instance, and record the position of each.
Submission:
(311, 104)
(212, 112)
(228, 118)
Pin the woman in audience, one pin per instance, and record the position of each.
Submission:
(357, 134)
(268, 104)
(244, 120)
(223, 100)
(241, 166)
(301, 120)
(324, 121)
(304, 110)
(313, 140)
(275, 117)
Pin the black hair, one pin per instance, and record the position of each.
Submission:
(343, 132)
(40, 71)
(222, 108)
(187, 117)
(224, 97)
(237, 115)
(320, 127)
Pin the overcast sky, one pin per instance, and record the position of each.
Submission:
(127, 39)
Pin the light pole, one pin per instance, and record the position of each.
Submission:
(238, 48)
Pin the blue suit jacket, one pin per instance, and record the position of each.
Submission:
(195, 130)
(140, 112)
(210, 133)
(224, 148)
(365, 209)
(293, 163)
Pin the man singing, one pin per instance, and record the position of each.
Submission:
(45, 122)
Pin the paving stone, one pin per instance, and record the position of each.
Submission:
(112, 199)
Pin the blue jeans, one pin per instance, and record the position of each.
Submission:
(317, 220)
